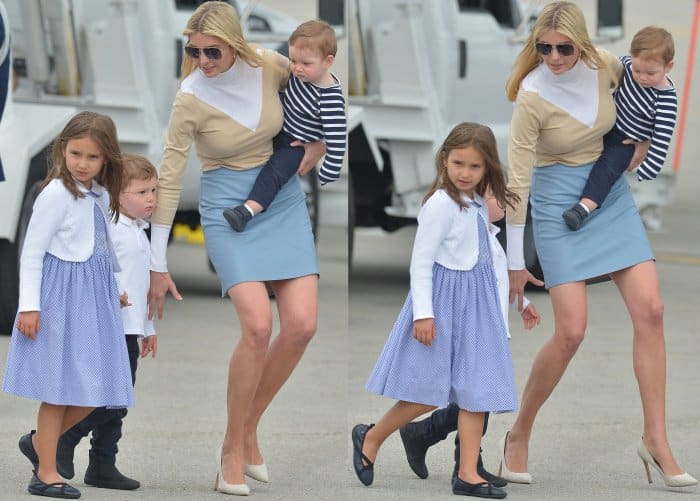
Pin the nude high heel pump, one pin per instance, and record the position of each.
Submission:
(503, 472)
(222, 486)
(682, 480)
(257, 472)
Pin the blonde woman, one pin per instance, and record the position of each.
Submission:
(561, 88)
(228, 106)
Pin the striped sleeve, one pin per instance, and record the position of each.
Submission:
(333, 121)
(314, 113)
(664, 122)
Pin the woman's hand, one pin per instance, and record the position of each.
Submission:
(517, 280)
(161, 283)
(424, 330)
(28, 323)
(313, 152)
(640, 153)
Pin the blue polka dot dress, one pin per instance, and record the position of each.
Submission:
(469, 362)
(79, 356)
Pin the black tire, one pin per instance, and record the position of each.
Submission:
(351, 221)
(9, 264)
(9, 285)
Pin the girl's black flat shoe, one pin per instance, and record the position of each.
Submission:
(364, 468)
(54, 490)
(480, 490)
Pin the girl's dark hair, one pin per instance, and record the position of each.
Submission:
(101, 129)
(481, 138)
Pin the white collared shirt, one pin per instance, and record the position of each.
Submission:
(134, 254)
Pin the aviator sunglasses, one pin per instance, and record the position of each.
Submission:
(564, 49)
(210, 52)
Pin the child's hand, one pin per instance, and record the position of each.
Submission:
(530, 316)
(149, 345)
(28, 323)
(424, 330)
(124, 300)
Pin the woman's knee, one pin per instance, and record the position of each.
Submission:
(301, 331)
(650, 314)
(570, 338)
(257, 335)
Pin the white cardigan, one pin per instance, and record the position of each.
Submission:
(63, 226)
(449, 235)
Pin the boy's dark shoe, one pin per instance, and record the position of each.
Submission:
(416, 442)
(238, 217)
(107, 476)
(575, 216)
(64, 459)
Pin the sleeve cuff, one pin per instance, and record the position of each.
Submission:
(159, 247)
(515, 235)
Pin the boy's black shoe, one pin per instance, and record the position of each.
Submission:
(107, 476)
(575, 216)
(238, 217)
(64, 459)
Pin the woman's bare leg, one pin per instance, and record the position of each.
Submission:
(397, 416)
(297, 304)
(470, 425)
(639, 287)
(569, 305)
(244, 372)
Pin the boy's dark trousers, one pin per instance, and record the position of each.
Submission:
(106, 427)
(611, 164)
(282, 165)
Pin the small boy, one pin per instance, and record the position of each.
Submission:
(646, 111)
(314, 109)
(131, 245)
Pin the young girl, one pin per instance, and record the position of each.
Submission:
(67, 348)
(449, 343)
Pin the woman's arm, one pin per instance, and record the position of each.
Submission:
(313, 152)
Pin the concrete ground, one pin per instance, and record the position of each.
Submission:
(171, 434)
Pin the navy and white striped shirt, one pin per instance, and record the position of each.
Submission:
(646, 114)
(313, 113)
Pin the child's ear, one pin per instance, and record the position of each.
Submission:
(329, 59)
(669, 67)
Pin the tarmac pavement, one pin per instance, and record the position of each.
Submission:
(171, 434)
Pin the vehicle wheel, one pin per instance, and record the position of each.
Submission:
(309, 183)
(351, 221)
(9, 285)
(9, 264)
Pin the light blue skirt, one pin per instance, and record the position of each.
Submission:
(276, 244)
(469, 362)
(612, 238)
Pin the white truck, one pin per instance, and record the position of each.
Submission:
(117, 57)
(416, 68)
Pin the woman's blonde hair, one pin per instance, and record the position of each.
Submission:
(566, 18)
(481, 138)
(101, 129)
(219, 19)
